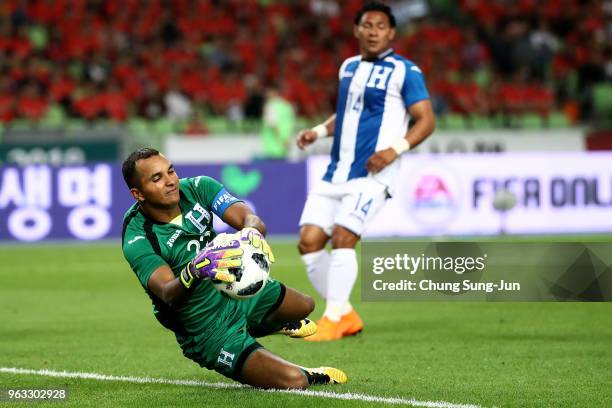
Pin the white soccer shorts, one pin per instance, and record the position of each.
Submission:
(351, 204)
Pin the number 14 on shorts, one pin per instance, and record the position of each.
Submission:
(363, 204)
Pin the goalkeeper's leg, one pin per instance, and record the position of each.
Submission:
(292, 315)
(288, 317)
(264, 369)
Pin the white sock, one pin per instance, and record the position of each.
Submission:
(334, 310)
(317, 268)
(340, 281)
(346, 308)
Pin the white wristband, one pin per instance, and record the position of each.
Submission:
(401, 146)
(320, 130)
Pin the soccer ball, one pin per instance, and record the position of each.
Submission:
(251, 277)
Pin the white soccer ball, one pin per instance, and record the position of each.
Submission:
(251, 277)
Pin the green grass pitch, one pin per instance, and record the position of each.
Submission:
(79, 308)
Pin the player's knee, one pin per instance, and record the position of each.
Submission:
(303, 247)
(308, 305)
(303, 306)
(312, 239)
(306, 246)
(292, 378)
(344, 239)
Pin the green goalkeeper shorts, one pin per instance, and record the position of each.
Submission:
(230, 345)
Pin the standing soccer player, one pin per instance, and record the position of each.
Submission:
(165, 239)
(378, 93)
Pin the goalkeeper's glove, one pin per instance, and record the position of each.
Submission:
(255, 238)
(213, 262)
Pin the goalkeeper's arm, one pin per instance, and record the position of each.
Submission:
(167, 287)
(213, 262)
(239, 216)
(251, 227)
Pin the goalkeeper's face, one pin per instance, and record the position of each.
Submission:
(158, 182)
(374, 33)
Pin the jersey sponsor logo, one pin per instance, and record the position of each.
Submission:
(379, 77)
(197, 220)
(136, 238)
(173, 238)
(226, 358)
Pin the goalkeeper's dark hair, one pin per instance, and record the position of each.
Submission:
(129, 165)
(375, 6)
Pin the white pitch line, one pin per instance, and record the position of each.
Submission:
(223, 385)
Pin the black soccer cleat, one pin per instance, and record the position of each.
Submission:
(325, 375)
(299, 329)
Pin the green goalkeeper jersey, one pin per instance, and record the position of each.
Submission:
(148, 244)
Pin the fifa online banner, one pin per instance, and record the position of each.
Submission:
(434, 195)
(455, 194)
(88, 202)
(486, 271)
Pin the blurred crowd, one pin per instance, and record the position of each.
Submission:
(119, 59)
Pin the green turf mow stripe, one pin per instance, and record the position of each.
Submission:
(223, 385)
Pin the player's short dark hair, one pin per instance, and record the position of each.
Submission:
(129, 165)
(375, 6)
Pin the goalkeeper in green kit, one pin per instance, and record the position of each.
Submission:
(167, 238)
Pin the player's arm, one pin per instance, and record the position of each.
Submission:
(212, 262)
(308, 136)
(423, 125)
(237, 214)
(166, 287)
(232, 210)
(240, 216)
(251, 227)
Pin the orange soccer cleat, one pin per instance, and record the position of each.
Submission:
(328, 330)
(351, 323)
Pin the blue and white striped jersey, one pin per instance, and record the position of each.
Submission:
(371, 113)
